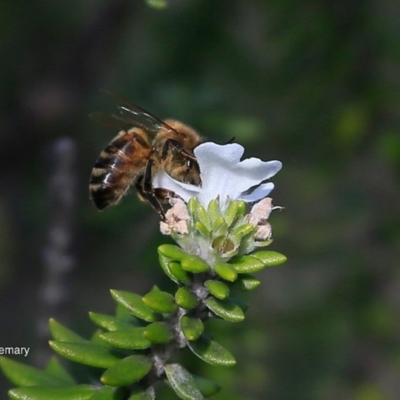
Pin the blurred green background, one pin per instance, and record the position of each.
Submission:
(315, 84)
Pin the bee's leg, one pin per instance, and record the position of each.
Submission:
(147, 192)
(169, 143)
(190, 159)
(164, 194)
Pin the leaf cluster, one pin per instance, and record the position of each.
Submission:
(136, 349)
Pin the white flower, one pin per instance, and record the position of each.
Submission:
(224, 175)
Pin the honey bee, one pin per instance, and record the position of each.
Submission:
(144, 145)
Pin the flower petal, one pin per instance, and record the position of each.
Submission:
(258, 193)
(224, 175)
(162, 180)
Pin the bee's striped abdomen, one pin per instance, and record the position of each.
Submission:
(118, 166)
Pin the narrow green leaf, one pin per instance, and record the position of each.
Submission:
(173, 270)
(139, 394)
(235, 211)
(191, 327)
(160, 301)
(262, 243)
(55, 368)
(159, 332)
(129, 339)
(191, 206)
(243, 230)
(111, 323)
(207, 387)
(186, 299)
(177, 271)
(225, 309)
(158, 4)
(202, 229)
(246, 282)
(217, 288)
(126, 371)
(213, 209)
(192, 263)
(226, 272)
(171, 251)
(81, 392)
(95, 339)
(242, 208)
(123, 314)
(247, 264)
(219, 227)
(212, 352)
(182, 382)
(88, 354)
(202, 216)
(270, 258)
(24, 375)
(109, 393)
(63, 334)
(134, 304)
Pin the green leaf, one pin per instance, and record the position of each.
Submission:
(55, 368)
(207, 387)
(159, 332)
(186, 299)
(202, 216)
(129, 339)
(24, 375)
(159, 4)
(213, 209)
(243, 230)
(225, 309)
(247, 264)
(160, 301)
(134, 304)
(174, 270)
(226, 272)
(88, 353)
(109, 393)
(202, 229)
(270, 258)
(191, 327)
(177, 271)
(246, 282)
(217, 288)
(63, 334)
(139, 394)
(192, 263)
(81, 392)
(171, 251)
(95, 339)
(235, 210)
(212, 352)
(123, 314)
(126, 371)
(219, 227)
(182, 382)
(109, 322)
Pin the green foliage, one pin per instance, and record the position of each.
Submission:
(158, 4)
(135, 348)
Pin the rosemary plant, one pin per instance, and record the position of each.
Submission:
(218, 239)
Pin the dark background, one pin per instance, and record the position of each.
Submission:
(315, 84)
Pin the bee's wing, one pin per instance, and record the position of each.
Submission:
(130, 115)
